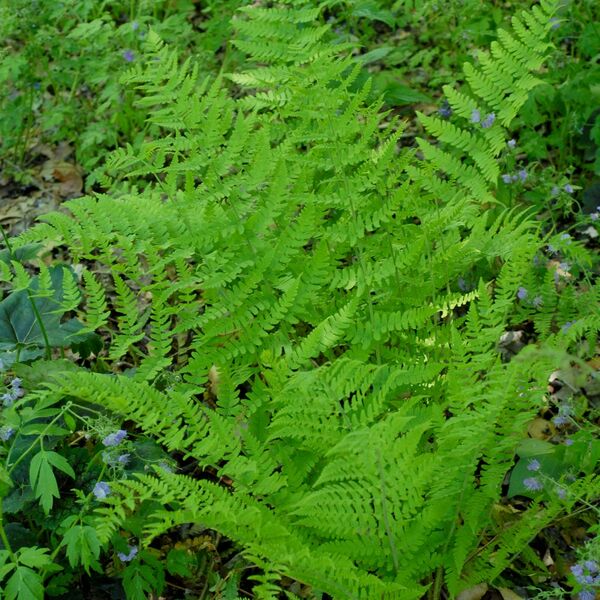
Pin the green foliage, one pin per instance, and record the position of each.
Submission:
(309, 315)
(59, 71)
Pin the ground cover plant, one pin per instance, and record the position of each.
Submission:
(325, 325)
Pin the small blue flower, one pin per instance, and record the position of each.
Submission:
(522, 293)
(537, 301)
(551, 249)
(555, 190)
(128, 56)
(567, 326)
(114, 439)
(577, 571)
(135, 25)
(569, 188)
(560, 420)
(562, 493)
(101, 490)
(507, 178)
(522, 174)
(586, 595)
(533, 465)
(511, 143)
(594, 216)
(123, 459)
(533, 484)
(445, 111)
(555, 23)
(568, 442)
(475, 116)
(565, 236)
(592, 566)
(130, 555)
(6, 433)
(8, 398)
(488, 121)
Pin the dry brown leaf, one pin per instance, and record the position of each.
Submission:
(539, 429)
(509, 594)
(67, 174)
(475, 593)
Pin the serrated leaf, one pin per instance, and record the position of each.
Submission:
(34, 557)
(24, 584)
(42, 480)
(83, 547)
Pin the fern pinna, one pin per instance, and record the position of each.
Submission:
(299, 275)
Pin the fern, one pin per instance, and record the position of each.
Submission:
(299, 273)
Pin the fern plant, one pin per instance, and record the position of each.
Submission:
(294, 275)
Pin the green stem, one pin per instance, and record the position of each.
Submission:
(36, 313)
(12, 467)
(4, 537)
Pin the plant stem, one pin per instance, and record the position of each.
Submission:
(36, 313)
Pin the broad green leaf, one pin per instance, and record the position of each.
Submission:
(42, 480)
(34, 557)
(19, 326)
(61, 463)
(24, 584)
(26, 252)
(83, 547)
(370, 10)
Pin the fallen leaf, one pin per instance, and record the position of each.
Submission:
(475, 593)
(539, 429)
(67, 174)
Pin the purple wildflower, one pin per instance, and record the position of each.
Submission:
(114, 439)
(488, 121)
(555, 190)
(577, 571)
(506, 178)
(6, 433)
(569, 188)
(533, 484)
(522, 174)
(511, 143)
(568, 442)
(560, 420)
(533, 465)
(522, 293)
(475, 116)
(445, 111)
(586, 595)
(101, 490)
(130, 555)
(592, 566)
(123, 459)
(561, 493)
(8, 399)
(567, 326)
(128, 56)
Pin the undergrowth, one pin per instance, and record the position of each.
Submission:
(280, 325)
